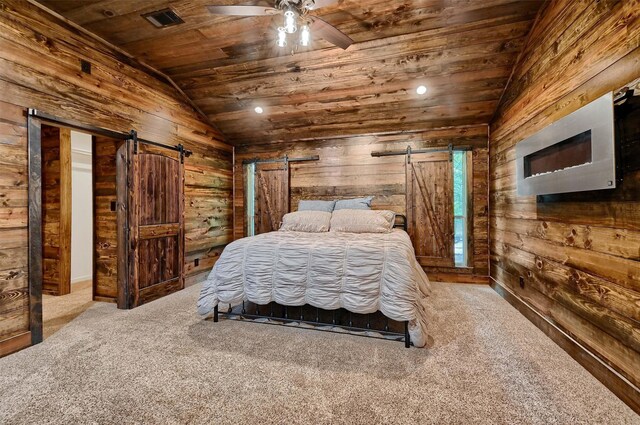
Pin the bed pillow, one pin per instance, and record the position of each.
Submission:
(362, 221)
(354, 204)
(316, 205)
(306, 221)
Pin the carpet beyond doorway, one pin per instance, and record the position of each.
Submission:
(161, 363)
(59, 310)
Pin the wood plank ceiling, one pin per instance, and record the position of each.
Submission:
(463, 51)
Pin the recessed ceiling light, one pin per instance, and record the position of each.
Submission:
(258, 110)
(421, 90)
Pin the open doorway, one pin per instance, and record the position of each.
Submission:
(136, 210)
(67, 200)
(79, 226)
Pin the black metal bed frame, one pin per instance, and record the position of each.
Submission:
(242, 313)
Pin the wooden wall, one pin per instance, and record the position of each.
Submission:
(56, 210)
(579, 255)
(347, 169)
(105, 249)
(40, 68)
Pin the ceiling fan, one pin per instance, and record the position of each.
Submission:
(294, 12)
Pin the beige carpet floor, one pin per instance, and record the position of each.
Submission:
(57, 311)
(162, 364)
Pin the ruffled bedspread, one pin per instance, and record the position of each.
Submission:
(361, 272)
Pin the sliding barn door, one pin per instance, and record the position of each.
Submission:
(430, 208)
(150, 224)
(272, 195)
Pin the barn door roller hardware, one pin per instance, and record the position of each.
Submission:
(31, 112)
(409, 151)
(133, 135)
(284, 159)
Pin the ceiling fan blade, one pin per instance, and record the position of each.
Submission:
(243, 10)
(317, 4)
(333, 35)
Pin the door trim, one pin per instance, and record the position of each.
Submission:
(34, 127)
(124, 199)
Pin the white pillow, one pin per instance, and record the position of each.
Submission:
(306, 221)
(362, 221)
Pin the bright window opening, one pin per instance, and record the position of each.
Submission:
(250, 197)
(460, 216)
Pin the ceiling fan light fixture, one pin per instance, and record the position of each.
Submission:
(281, 41)
(305, 35)
(290, 25)
(292, 13)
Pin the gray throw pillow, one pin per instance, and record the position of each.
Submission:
(316, 205)
(354, 204)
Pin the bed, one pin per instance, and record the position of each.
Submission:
(363, 273)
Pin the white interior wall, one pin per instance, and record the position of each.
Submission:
(81, 208)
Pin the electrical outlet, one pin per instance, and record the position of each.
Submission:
(113, 205)
(522, 282)
(196, 262)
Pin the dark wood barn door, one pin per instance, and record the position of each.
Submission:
(150, 222)
(430, 208)
(272, 195)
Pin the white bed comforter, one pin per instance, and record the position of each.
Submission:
(361, 272)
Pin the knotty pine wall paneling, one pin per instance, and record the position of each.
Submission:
(579, 254)
(346, 169)
(14, 284)
(40, 68)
